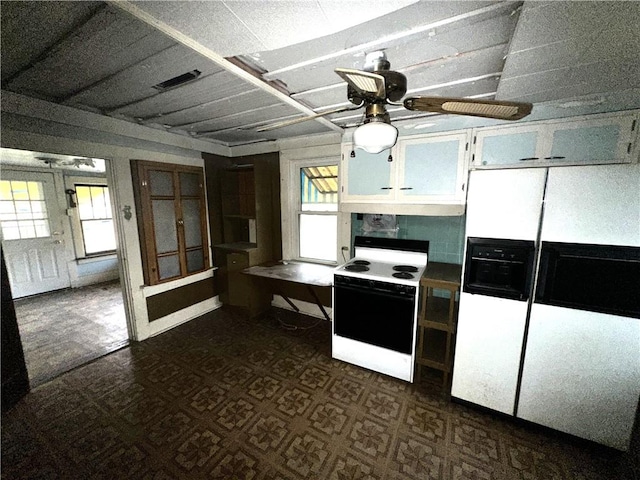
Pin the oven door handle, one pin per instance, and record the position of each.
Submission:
(378, 292)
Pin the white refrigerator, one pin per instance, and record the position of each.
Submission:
(501, 204)
(581, 372)
(572, 370)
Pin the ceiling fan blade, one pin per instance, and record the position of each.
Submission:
(364, 82)
(293, 121)
(467, 106)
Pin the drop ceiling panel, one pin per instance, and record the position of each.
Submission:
(242, 118)
(106, 44)
(573, 81)
(277, 24)
(211, 24)
(456, 69)
(241, 137)
(238, 27)
(588, 46)
(552, 22)
(222, 107)
(336, 96)
(205, 89)
(365, 37)
(135, 83)
(30, 28)
(405, 53)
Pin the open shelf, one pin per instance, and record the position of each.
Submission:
(437, 318)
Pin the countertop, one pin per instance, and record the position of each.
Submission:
(445, 274)
(307, 273)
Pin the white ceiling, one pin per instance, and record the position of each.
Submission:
(262, 62)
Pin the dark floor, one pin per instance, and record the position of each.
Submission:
(223, 397)
(64, 329)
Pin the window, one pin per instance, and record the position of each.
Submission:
(171, 210)
(23, 212)
(95, 218)
(318, 212)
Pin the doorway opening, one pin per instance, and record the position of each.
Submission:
(59, 241)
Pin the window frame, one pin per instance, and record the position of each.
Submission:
(142, 194)
(292, 211)
(76, 224)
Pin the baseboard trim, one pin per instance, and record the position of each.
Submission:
(306, 308)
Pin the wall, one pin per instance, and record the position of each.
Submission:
(30, 124)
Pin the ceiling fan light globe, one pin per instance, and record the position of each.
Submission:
(374, 137)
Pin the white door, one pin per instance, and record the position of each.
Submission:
(488, 347)
(505, 203)
(582, 373)
(597, 204)
(31, 222)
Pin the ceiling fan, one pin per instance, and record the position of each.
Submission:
(377, 85)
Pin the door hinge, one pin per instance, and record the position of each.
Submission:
(473, 158)
(629, 148)
(466, 147)
(474, 139)
(633, 125)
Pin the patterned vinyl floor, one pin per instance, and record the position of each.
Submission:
(64, 329)
(223, 397)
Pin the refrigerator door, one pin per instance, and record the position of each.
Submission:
(505, 203)
(488, 346)
(582, 373)
(596, 204)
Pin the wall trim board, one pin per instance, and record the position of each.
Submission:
(151, 290)
(47, 143)
(182, 316)
(86, 280)
(41, 109)
(178, 299)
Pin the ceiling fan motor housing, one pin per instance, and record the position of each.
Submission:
(395, 83)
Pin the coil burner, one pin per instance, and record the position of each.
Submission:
(405, 268)
(356, 268)
(403, 275)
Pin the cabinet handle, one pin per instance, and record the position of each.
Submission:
(180, 222)
(529, 158)
(386, 188)
(554, 157)
(406, 188)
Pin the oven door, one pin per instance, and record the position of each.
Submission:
(376, 313)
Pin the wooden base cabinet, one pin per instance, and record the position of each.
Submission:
(437, 318)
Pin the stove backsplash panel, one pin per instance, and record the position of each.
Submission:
(445, 234)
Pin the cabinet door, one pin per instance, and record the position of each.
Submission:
(507, 146)
(604, 139)
(432, 169)
(592, 141)
(367, 176)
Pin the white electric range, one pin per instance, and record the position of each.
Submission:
(375, 305)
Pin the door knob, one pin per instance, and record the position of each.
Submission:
(57, 242)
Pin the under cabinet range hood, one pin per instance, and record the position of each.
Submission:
(566, 355)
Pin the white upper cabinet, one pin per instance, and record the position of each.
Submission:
(433, 168)
(368, 177)
(598, 139)
(427, 175)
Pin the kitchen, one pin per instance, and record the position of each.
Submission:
(18, 133)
